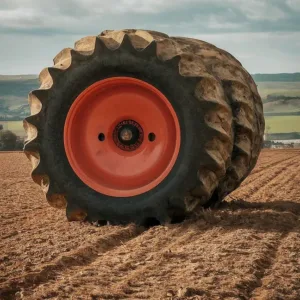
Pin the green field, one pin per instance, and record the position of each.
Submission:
(14, 96)
(14, 126)
(282, 124)
(282, 106)
(278, 88)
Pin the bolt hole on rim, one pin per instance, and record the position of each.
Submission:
(151, 137)
(101, 137)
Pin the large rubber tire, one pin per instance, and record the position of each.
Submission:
(216, 101)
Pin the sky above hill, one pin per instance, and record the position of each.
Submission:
(263, 34)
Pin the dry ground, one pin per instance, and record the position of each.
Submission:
(247, 249)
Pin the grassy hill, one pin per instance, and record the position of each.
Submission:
(280, 97)
(13, 96)
(280, 77)
(278, 88)
(280, 94)
(281, 107)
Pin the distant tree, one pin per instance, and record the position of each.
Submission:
(19, 144)
(1, 127)
(8, 140)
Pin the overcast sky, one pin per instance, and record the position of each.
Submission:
(263, 34)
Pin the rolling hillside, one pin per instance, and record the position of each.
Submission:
(281, 105)
(280, 77)
(13, 96)
(280, 94)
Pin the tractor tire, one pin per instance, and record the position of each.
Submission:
(136, 126)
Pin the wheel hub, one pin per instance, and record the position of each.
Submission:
(128, 135)
(122, 136)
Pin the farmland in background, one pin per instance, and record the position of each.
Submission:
(281, 108)
(14, 96)
(14, 126)
(280, 94)
(278, 88)
(14, 101)
(282, 124)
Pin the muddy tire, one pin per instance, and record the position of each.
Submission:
(206, 101)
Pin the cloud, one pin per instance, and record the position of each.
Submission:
(45, 26)
(260, 52)
(77, 16)
(294, 4)
(219, 22)
(258, 10)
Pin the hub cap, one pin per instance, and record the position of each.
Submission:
(128, 135)
(122, 136)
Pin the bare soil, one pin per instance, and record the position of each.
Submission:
(249, 248)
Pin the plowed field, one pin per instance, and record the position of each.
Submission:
(247, 249)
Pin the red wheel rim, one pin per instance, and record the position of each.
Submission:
(96, 137)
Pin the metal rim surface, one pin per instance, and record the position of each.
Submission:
(122, 136)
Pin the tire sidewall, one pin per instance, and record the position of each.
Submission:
(179, 91)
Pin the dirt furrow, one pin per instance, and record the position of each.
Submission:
(172, 263)
(282, 279)
(253, 187)
(49, 216)
(285, 199)
(223, 254)
(117, 264)
(258, 174)
(280, 186)
(80, 257)
(277, 159)
(284, 260)
(25, 250)
(289, 183)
